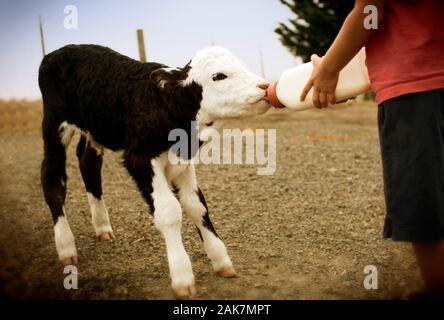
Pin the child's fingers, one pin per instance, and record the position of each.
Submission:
(331, 97)
(306, 89)
(316, 98)
(323, 101)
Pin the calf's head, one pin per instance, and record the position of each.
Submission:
(229, 89)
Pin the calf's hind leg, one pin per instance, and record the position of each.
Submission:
(53, 178)
(90, 163)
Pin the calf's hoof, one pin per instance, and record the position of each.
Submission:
(69, 261)
(107, 236)
(185, 292)
(227, 272)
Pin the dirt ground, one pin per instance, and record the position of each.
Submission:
(306, 232)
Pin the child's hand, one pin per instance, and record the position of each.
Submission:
(323, 82)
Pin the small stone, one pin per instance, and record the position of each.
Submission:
(121, 290)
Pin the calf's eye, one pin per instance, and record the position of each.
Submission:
(219, 76)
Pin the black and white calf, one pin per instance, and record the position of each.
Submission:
(122, 104)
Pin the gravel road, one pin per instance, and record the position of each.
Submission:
(305, 232)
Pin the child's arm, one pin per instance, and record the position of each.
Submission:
(350, 39)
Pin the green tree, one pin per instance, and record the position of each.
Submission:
(314, 27)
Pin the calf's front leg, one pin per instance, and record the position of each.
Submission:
(152, 182)
(193, 202)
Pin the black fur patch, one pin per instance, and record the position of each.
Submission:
(206, 218)
(117, 99)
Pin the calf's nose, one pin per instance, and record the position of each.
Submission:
(263, 86)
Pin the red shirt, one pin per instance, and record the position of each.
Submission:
(406, 54)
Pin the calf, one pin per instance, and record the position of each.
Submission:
(122, 104)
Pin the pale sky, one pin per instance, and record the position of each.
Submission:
(174, 31)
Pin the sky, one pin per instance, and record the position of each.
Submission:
(174, 30)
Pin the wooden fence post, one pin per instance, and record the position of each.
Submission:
(42, 38)
(141, 44)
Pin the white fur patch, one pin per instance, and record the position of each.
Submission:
(64, 239)
(99, 214)
(175, 166)
(171, 69)
(66, 132)
(216, 250)
(162, 83)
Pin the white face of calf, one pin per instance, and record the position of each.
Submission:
(229, 89)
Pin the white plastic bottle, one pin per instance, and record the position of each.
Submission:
(353, 81)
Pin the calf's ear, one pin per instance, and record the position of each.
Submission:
(172, 78)
(161, 77)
